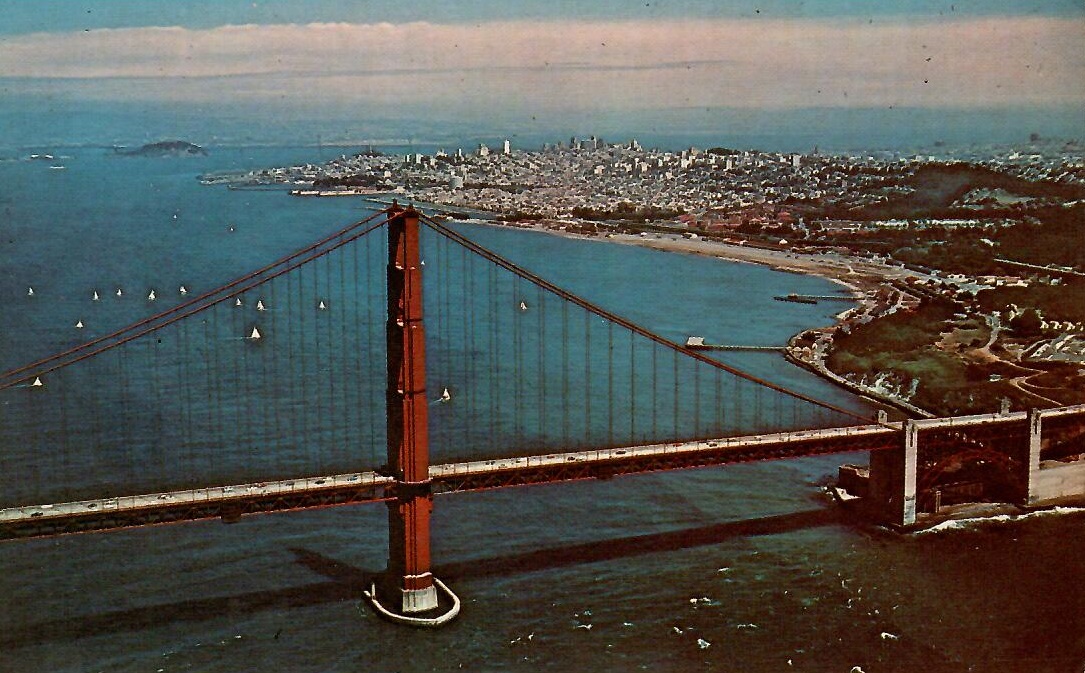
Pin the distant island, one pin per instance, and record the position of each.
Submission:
(167, 148)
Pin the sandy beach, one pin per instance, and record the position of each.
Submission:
(854, 274)
(857, 275)
(860, 278)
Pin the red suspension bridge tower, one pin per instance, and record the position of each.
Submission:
(408, 592)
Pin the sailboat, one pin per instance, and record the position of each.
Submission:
(183, 290)
(30, 292)
(37, 382)
(445, 396)
(79, 325)
(321, 306)
(523, 306)
(260, 305)
(255, 333)
(95, 297)
(151, 296)
(119, 293)
(238, 302)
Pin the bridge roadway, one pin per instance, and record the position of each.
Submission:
(231, 502)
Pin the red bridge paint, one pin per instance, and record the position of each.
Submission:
(408, 585)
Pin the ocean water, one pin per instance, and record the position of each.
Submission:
(742, 568)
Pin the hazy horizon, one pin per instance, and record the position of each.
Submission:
(43, 122)
(837, 74)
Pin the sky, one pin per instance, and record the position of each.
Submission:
(522, 60)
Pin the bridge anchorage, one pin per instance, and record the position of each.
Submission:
(407, 592)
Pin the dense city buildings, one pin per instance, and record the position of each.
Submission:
(713, 188)
(966, 242)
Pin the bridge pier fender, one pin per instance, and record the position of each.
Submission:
(408, 583)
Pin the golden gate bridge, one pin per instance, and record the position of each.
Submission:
(264, 395)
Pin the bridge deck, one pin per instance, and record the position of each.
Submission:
(232, 501)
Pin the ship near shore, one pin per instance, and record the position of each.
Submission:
(349, 191)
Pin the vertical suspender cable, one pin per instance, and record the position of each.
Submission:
(495, 303)
(564, 373)
(720, 420)
(270, 436)
(587, 379)
(675, 393)
(184, 397)
(210, 352)
(245, 404)
(289, 376)
(374, 324)
(124, 410)
(540, 311)
(758, 410)
(317, 381)
(236, 343)
(356, 438)
(632, 389)
(610, 383)
(518, 360)
(655, 382)
(65, 448)
(697, 401)
(157, 442)
(467, 330)
(326, 361)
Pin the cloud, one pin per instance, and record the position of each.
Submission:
(581, 64)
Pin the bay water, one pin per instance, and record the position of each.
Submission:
(741, 568)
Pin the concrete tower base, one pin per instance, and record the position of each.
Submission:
(412, 603)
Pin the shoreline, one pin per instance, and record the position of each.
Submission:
(861, 278)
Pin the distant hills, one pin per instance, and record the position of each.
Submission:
(166, 148)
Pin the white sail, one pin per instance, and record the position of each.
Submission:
(321, 306)
(79, 325)
(151, 296)
(119, 293)
(95, 297)
(260, 305)
(445, 395)
(255, 333)
(238, 302)
(37, 382)
(183, 290)
(523, 306)
(30, 292)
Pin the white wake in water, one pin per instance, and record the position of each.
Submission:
(978, 522)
